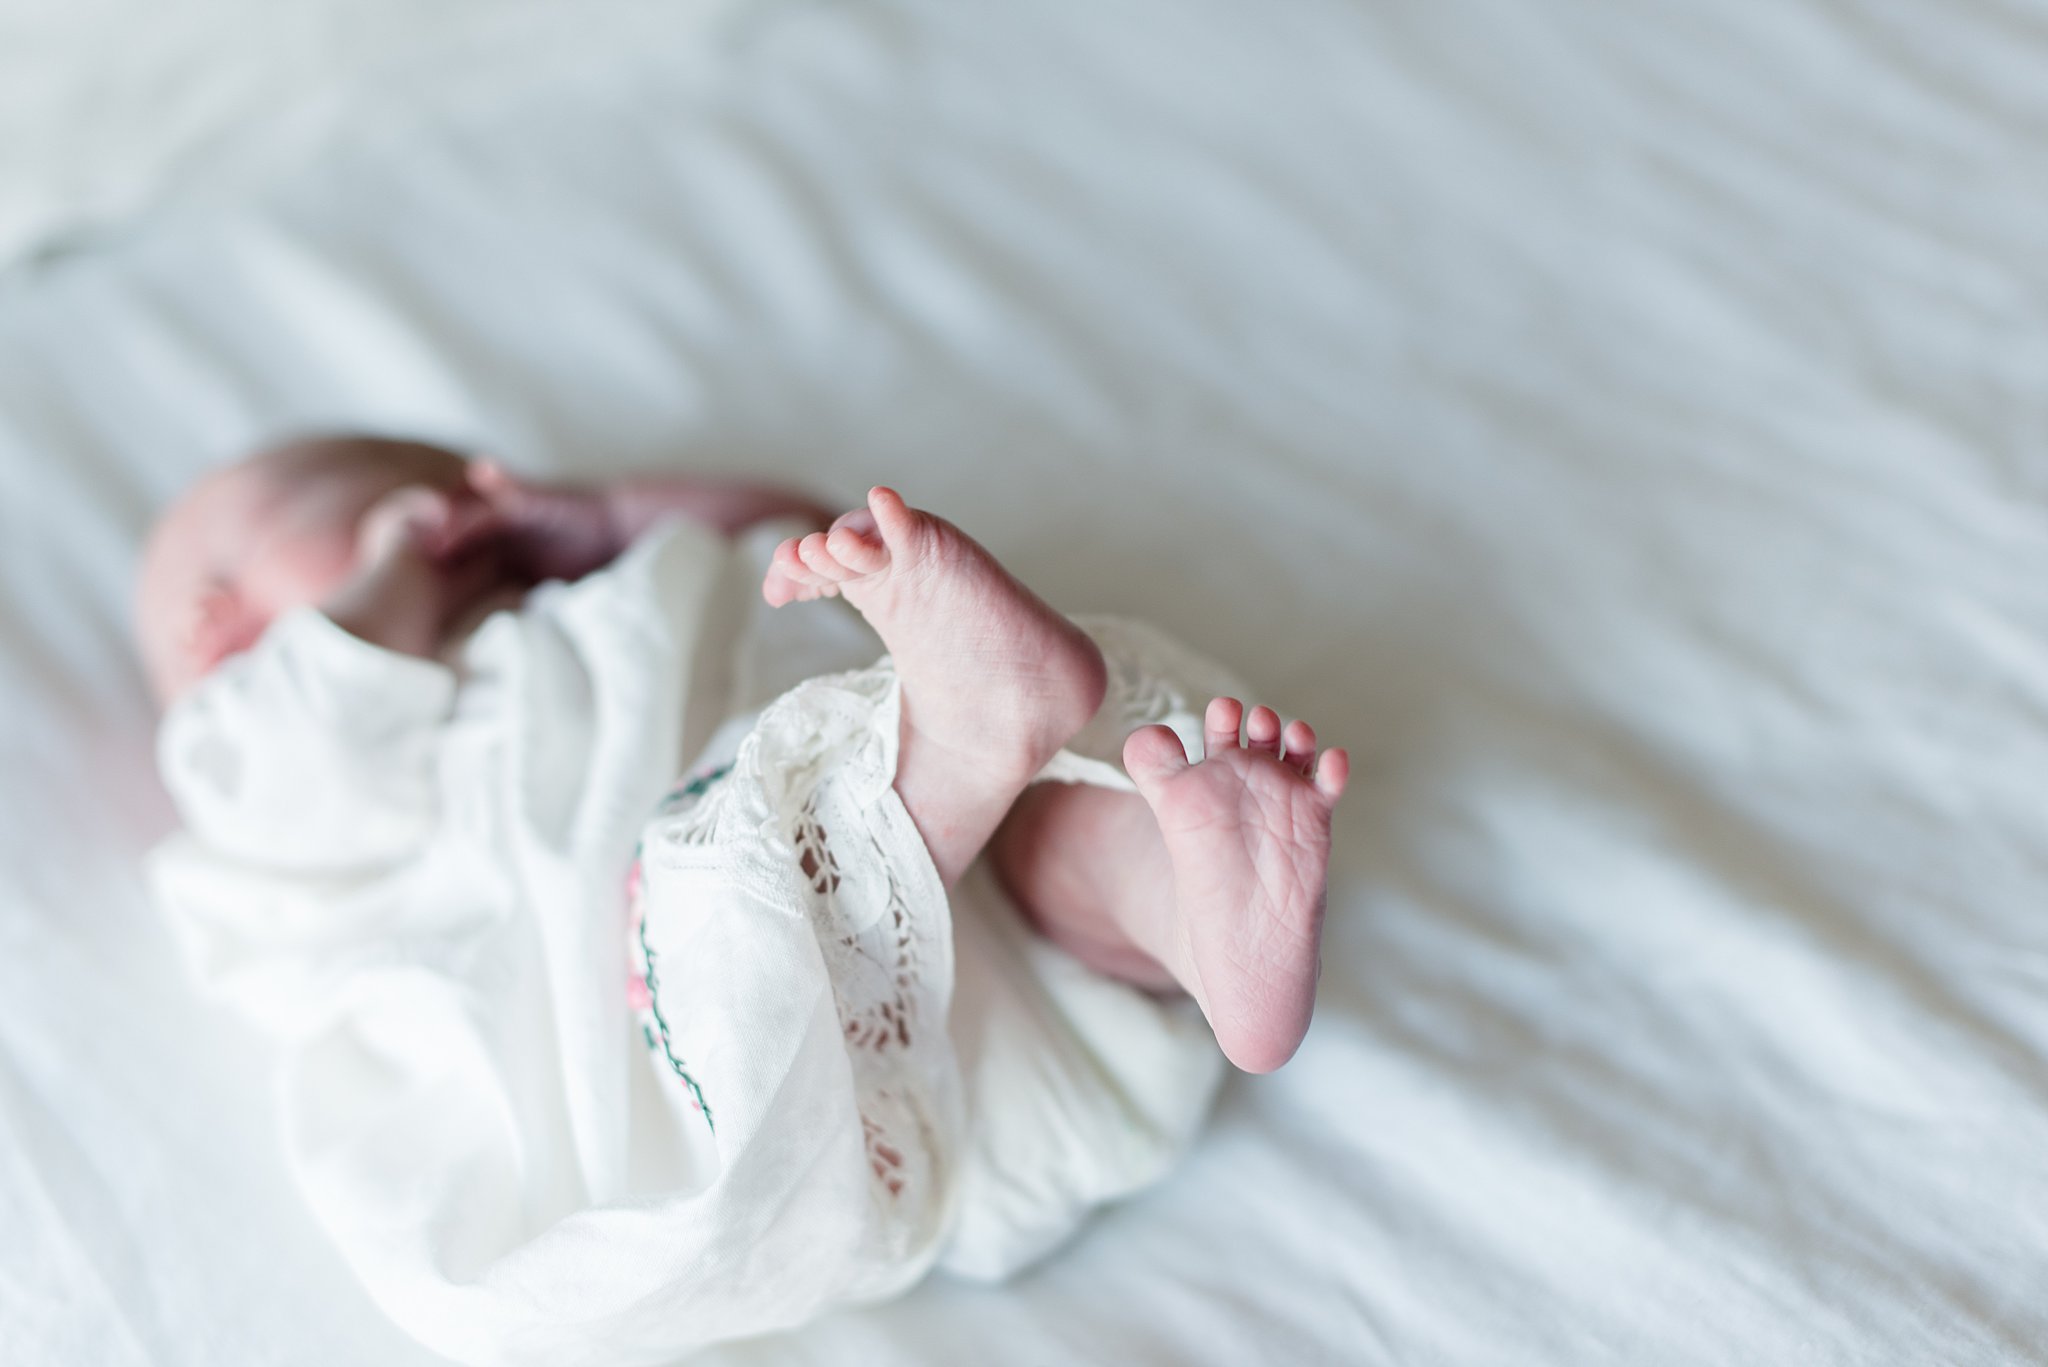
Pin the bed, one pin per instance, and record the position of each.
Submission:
(1622, 425)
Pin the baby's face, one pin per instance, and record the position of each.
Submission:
(255, 540)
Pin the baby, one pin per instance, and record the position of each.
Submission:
(579, 1071)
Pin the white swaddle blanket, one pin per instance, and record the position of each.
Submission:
(415, 876)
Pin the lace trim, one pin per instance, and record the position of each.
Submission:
(875, 946)
(874, 960)
(885, 1160)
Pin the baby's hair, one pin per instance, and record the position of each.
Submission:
(312, 453)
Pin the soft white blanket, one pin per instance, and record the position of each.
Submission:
(1621, 423)
(113, 109)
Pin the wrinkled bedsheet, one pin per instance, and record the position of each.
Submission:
(1623, 425)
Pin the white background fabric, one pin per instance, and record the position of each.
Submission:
(108, 107)
(1621, 424)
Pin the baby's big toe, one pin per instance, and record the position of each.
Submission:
(1153, 754)
(896, 521)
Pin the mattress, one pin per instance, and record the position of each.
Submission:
(1621, 425)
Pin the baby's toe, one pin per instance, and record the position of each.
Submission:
(1333, 771)
(1220, 723)
(856, 546)
(817, 557)
(1298, 747)
(791, 563)
(787, 579)
(1262, 732)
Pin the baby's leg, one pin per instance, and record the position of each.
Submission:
(1089, 869)
(993, 681)
(1210, 877)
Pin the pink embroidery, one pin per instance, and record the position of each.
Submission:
(637, 994)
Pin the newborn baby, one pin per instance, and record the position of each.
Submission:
(582, 1063)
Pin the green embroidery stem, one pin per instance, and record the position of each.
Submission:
(696, 787)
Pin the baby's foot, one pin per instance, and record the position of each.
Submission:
(994, 681)
(1248, 833)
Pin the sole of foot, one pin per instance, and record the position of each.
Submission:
(1247, 829)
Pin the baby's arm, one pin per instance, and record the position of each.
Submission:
(565, 531)
(730, 505)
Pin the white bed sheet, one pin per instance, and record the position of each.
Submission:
(1623, 425)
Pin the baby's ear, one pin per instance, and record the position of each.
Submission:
(415, 515)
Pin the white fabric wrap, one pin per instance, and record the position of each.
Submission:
(413, 876)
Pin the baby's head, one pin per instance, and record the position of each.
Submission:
(268, 534)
